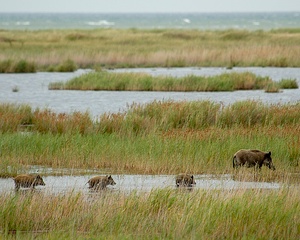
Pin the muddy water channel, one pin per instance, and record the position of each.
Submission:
(33, 90)
(138, 183)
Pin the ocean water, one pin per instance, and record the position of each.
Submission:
(202, 21)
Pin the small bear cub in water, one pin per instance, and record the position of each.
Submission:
(28, 181)
(185, 180)
(100, 182)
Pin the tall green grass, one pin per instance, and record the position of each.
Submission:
(157, 116)
(21, 117)
(160, 214)
(159, 137)
(145, 82)
(168, 115)
(204, 151)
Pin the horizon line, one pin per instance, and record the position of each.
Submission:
(160, 12)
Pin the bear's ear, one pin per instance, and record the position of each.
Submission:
(192, 176)
(38, 176)
(109, 176)
(268, 154)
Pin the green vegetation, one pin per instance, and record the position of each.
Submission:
(66, 66)
(288, 83)
(145, 82)
(158, 138)
(21, 66)
(50, 50)
(274, 87)
(160, 214)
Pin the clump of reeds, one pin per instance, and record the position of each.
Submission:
(20, 66)
(14, 117)
(272, 88)
(66, 66)
(288, 83)
(145, 82)
(168, 214)
(76, 122)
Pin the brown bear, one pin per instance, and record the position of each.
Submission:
(185, 180)
(252, 158)
(100, 182)
(28, 181)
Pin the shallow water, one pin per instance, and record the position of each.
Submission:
(138, 183)
(33, 90)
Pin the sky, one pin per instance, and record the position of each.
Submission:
(149, 5)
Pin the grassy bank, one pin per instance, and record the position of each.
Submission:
(167, 214)
(66, 50)
(157, 138)
(145, 82)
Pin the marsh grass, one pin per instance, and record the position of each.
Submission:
(288, 84)
(193, 115)
(157, 138)
(110, 81)
(155, 117)
(115, 48)
(13, 115)
(16, 117)
(272, 88)
(66, 66)
(14, 66)
(168, 214)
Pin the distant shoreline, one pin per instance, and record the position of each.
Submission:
(170, 13)
(67, 50)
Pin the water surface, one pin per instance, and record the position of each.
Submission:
(202, 21)
(33, 90)
(139, 183)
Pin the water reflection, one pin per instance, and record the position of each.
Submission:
(33, 90)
